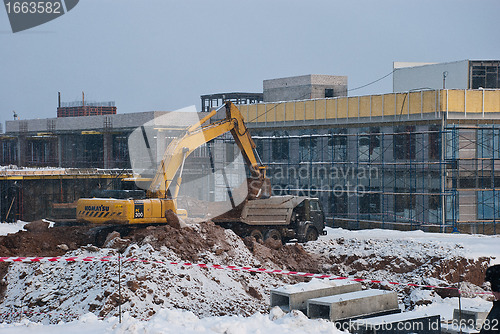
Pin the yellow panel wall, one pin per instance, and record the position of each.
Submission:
(261, 113)
(252, 113)
(456, 101)
(331, 108)
(474, 101)
(470, 101)
(401, 105)
(342, 108)
(244, 111)
(429, 101)
(492, 101)
(320, 109)
(443, 100)
(309, 109)
(415, 101)
(299, 110)
(389, 104)
(364, 106)
(353, 107)
(289, 111)
(377, 105)
(280, 112)
(270, 112)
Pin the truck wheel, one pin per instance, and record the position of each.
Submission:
(257, 234)
(273, 234)
(311, 234)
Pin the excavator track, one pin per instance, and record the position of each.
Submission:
(99, 232)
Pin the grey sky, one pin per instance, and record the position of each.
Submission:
(162, 55)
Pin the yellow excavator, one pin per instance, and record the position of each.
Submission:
(259, 215)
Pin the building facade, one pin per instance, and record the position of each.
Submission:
(312, 86)
(425, 159)
(465, 74)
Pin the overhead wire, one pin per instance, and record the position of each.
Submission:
(305, 95)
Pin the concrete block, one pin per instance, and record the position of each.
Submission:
(353, 305)
(408, 322)
(472, 317)
(294, 297)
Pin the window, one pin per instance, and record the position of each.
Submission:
(451, 142)
(338, 202)
(337, 145)
(404, 204)
(488, 204)
(307, 148)
(328, 92)
(488, 143)
(369, 203)
(485, 76)
(280, 146)
(369, 144)
(404, 143)
(434, 143)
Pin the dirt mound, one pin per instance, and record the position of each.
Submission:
(40, 240)
(149, 286)
(193, 241)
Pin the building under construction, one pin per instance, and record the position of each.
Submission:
(84, 108)
(422, 159)
(425, 159)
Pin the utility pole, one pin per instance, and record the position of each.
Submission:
(445, 74)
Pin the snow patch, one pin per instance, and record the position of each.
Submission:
(10, 228)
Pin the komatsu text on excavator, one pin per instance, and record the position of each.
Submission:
(259, 215)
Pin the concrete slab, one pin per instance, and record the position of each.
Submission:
(407, 322)
(472, 317)
(294, 297)
(353, 305)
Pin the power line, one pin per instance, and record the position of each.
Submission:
(371, 83)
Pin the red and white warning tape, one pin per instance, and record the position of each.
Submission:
(217, 266)
(16, 314)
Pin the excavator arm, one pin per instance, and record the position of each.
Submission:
(197, 135)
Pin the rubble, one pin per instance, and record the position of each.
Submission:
(73, 289)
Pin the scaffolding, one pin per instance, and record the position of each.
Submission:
(405, 178)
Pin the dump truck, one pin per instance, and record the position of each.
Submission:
(259, 215)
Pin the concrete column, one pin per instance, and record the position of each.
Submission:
(59, 151)
(108, 150)
(21, 148)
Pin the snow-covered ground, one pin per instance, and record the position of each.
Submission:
(187, 300)
(417, 243)
(178, 321)
(8, 228)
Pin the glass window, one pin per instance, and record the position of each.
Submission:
(488, 143)
(488, 204)
(307, 148)
(337, 145)
(434, 143)
(485, 76)
(404, 142)
(280, 146)
(369, 144)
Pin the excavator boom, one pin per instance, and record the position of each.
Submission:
(165, 185)
(197, 135)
